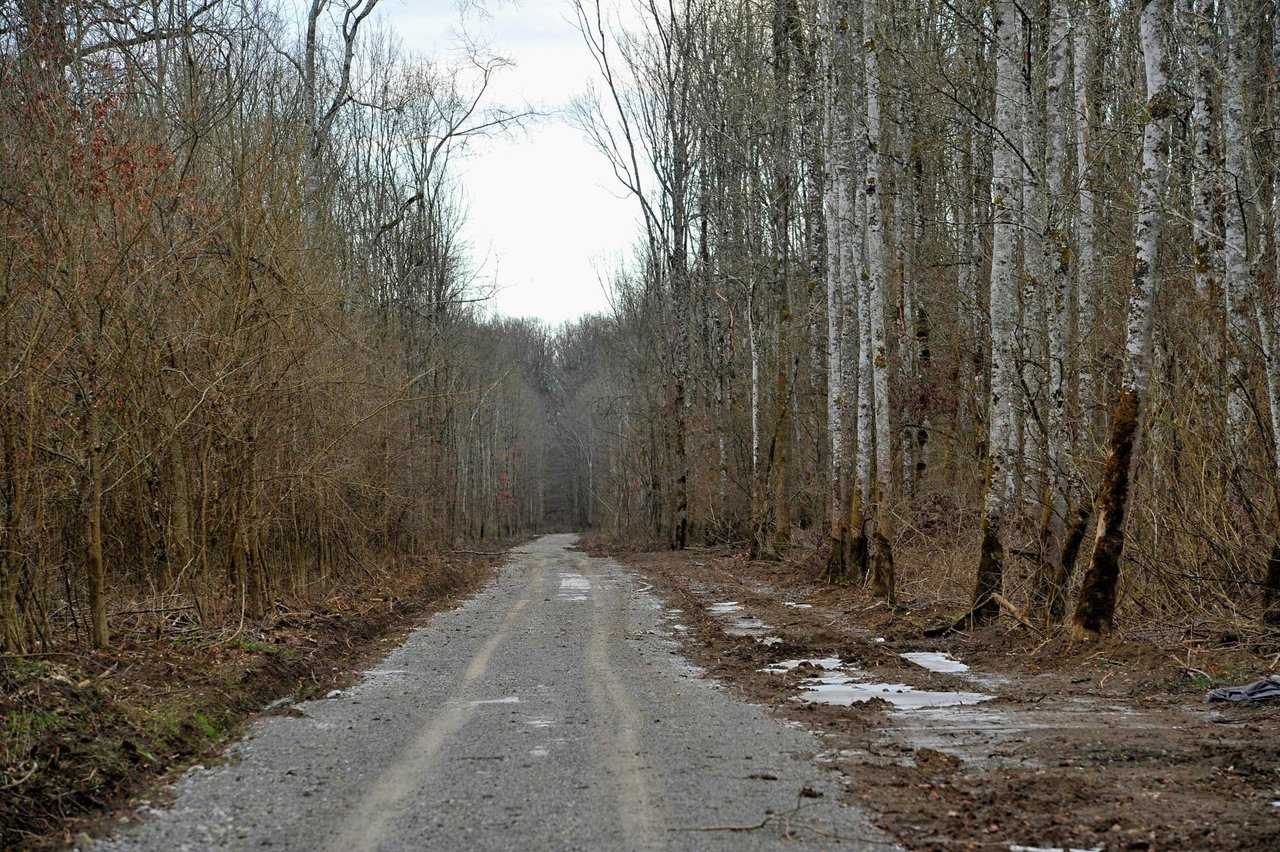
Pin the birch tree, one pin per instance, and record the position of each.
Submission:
(874, 282)
(1004, 311)
(1095, 607)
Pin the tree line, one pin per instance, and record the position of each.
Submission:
(242, 354)
(990, 287)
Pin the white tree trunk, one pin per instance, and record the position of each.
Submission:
(1035, 281)
(1059, 302)
(1003, 305)
(833, 134)
(1083, 64)
(874, 284)
(753, 344)
(1239, 282)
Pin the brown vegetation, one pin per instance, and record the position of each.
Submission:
(85, 734)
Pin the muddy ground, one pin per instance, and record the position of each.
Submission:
(87, 738)
(1091, 746)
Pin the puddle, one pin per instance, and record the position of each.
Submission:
(747, 626)
(841, 690)
(540, 723)
(994, 736)
(828, 663)
(724, 608)
(795, 605)
(573, 587)
(680, 628)
(770, 640)
(539, 752)
(936, 661)
(510, 699)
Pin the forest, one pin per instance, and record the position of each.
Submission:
(947, 327)
(979, 297)
(969, 300)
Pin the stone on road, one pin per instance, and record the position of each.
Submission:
(550, 711)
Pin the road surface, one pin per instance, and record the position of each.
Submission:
(549, 711)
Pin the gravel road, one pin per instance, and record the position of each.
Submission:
(550, 711)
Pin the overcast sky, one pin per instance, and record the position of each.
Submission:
(546, 216)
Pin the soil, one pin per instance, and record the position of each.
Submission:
(88, 737)
(1106, 745)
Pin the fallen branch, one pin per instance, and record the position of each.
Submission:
(1014, 612)
(969, 620)
(152, 611)
(964, 622)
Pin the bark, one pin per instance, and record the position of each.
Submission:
(1205, 241)
(99, 636)
(1271, 367)
(1058, 244)
(882, 577)
(1004, 313)
(1084, 69)
(1032, 481)
(1239, 283)
(835, 176)
(1267, 325)
(1095, 608)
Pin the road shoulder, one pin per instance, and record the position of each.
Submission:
(1107, 746)
(91, 739)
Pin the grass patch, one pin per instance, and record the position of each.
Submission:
(207, 727)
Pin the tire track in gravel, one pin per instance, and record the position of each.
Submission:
(632, 777)
(369, 821)
(550, 711)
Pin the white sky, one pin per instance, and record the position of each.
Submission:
(545, 215)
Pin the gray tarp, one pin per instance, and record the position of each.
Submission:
(1267, 689)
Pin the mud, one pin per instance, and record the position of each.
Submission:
(1104, 745)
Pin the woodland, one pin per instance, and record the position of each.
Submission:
(974, 299)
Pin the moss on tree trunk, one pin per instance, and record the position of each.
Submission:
(1096, 605)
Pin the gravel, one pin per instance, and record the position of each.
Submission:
(549, 711)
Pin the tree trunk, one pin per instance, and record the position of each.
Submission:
(1004, 312)
(1205, 241)
(1084, 68)
(882, 576)
(1095, 608)
(99, 636)
(1239, 280)
(1058, 316)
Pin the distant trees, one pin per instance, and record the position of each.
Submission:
(1020, 218)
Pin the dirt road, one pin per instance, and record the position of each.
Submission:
(550, 711)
